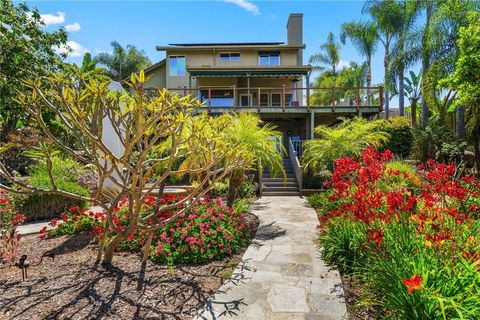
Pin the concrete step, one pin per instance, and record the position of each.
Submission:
(280, 194)
(280, 189)
(280, 184)
(269, 179)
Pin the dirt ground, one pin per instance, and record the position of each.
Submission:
(72, 287)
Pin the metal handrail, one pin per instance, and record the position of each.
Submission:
(297, 168)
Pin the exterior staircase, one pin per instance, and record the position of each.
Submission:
(276, 187)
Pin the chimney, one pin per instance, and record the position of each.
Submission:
(295, 29)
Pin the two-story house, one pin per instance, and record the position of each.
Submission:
(269, 78)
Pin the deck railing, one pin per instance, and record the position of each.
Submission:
(297, 168)
(285, 97)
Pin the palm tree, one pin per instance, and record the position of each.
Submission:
(330, 56)
(412, 89)
(400, 59)
(363, 36)
(348, 139)
(122, 62)
(387, 17)
(260, 142)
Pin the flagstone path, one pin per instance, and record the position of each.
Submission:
(281, 275)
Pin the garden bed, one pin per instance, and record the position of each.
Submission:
(71, 286)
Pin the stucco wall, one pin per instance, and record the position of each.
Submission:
(156, 78)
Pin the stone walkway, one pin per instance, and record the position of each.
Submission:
(281, 275)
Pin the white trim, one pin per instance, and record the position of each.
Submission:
(230, 55)
(269, 65)
(168, 65)
(249, 95)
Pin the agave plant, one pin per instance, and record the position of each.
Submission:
(349, 138)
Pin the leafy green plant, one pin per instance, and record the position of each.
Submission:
(400, 136)
(436, 141)
(207, 231)
(348, 139)
(65, 172)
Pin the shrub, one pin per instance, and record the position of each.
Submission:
(46, 206)
(410, 238)
(348, 139)
(436, 141)
(400, 139)
(10, 219)
(207, 231)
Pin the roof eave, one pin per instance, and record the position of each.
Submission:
(205, 48)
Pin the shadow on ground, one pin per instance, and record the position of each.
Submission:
(96, 293)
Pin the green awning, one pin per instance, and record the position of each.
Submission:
(240, 73)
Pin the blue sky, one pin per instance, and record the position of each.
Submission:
(94, 24)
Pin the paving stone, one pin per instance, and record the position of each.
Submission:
(267, 276)
(284, 298)
(282, 274)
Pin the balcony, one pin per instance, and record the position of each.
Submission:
(287, 99)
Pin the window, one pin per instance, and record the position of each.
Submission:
(230, 56)
(269, 58)
(276, 99)
(177, 66)
(245, 100)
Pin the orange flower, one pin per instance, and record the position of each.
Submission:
(413, 283)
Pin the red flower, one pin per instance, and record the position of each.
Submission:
(413, 283)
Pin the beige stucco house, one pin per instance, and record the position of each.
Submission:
(269, 78)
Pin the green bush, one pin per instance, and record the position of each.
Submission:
(436, 141)
(46, 206)
(400, 141)
(207, 231)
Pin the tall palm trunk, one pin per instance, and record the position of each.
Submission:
(369, 79)
(401, 77)
(386, 63)
(414, 112)
(460, 123)
(401, 91)
(426, 56)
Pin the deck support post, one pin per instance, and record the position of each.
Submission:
(312, 124)
(308, 91)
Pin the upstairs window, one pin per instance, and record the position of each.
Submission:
(269, 58)
(230, 56)
(177, 66)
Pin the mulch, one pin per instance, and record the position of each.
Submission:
(72, 287)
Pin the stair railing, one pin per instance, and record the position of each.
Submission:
(297, 168)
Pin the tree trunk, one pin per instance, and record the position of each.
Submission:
(401, 90)
(386, 63)
(235, 183)
(369, 78)
(414, 112)
(460, 123)
(111, 247)
(476, 150)
(426, 57)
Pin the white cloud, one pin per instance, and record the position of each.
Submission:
(72, 49)
(98, 51)
(72, 27)
(343, 64)
(49, 18)
(245, 4)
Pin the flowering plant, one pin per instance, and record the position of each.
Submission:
(207, 231)
(9, 221)
(387, 224)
